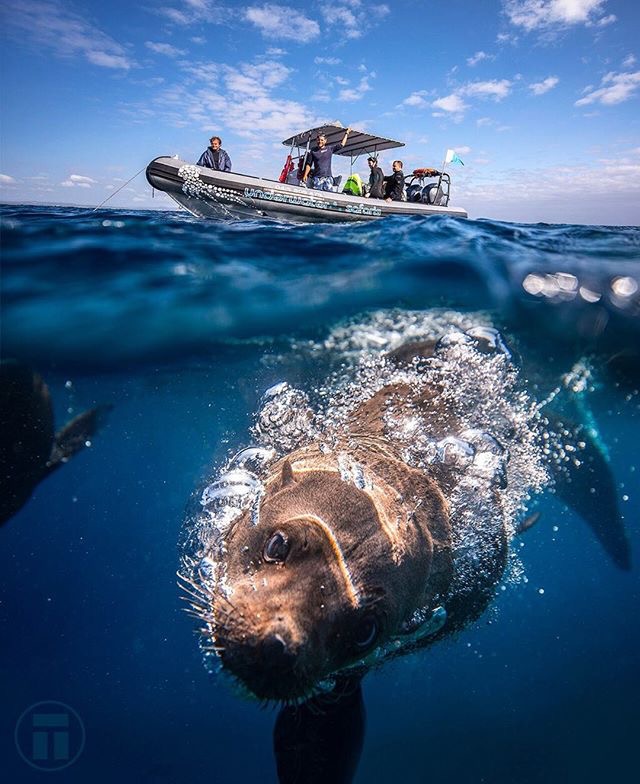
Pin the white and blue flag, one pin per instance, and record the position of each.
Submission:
(452, 157)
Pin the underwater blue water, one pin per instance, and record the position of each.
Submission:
(181, 325)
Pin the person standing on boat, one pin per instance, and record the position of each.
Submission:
(214, 157)
(376, 179)
(320, 160)
(394, 184)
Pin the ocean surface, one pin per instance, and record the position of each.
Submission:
(181, 325)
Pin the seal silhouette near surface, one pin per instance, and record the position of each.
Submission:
(379, 520)
(31, 449)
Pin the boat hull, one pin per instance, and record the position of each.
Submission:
(207, 193)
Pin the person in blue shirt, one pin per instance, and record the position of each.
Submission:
(320, 161)
(214, 157)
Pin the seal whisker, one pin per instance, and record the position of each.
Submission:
(196, 591)
(196, 612)
(229, 602)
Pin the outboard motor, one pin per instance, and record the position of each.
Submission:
(414, 192)
(432, 194)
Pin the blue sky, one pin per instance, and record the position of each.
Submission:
(540, 98)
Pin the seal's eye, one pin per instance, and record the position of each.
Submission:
(276, 549)
(366, 632)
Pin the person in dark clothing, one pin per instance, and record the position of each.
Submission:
(376, 180)
(394, 183)
(320, 161)
(214, 157)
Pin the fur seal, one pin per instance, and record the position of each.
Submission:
(377, 529)
(31, 449)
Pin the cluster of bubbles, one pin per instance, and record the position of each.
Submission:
(495, 453)
(285, 419)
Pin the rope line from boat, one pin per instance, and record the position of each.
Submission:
(111, 195)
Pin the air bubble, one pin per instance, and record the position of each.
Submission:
(489, 340)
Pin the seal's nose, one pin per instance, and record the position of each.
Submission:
(275, 653)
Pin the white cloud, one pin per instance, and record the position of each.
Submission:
(193, 11)
(6, 179)
(536, 14)
(357, 93)
(78, 181)
(354, 18)
(279, 21)
(462, 149)
(539, 88)
(629, 61)
(274, 51)
(242, 101)
(380, 11)
(198, 39)
(416, 99)
(606, 20)
(107, 60)
(166, 49)
(617, 87)
(53, 27)
(496, 89)
(176, 16)
(450, 103)
(345, 18)
(478, 57)
(327, 60)
(454, 104)
(555, 193)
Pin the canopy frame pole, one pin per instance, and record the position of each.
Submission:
(306, 155)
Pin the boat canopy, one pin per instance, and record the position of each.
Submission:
(358, 142)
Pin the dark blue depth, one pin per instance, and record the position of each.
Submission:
(181, 325)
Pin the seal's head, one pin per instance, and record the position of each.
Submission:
(328, 570)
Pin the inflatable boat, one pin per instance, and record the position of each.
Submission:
(208, 193)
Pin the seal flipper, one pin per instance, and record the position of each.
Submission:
(320, 741)
(589, 489)
(74, 435)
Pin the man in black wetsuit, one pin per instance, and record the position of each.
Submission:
(320, 160)
(376, 179)
(214, 157)
(394, 183)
